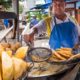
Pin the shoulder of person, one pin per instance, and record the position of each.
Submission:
(73, 19)
(48, 19)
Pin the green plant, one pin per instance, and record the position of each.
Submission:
(6, 3)
(20, 8)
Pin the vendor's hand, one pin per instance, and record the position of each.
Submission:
(29, 38)
(75, 56)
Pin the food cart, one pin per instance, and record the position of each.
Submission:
(8, 15)
(43, 65)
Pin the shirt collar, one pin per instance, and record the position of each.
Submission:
(58, 20)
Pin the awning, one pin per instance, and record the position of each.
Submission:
(44, 6)
(48, 3)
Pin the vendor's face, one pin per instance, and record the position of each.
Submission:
(58, 7)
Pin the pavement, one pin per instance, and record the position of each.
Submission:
(41, 43)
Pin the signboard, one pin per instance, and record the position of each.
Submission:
(70, 6)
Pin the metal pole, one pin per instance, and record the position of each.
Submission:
(15, 5)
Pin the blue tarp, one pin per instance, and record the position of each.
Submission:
(44, 6)
(48, 1)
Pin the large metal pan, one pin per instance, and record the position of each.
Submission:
(63, 66)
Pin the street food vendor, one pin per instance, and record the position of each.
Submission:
(62, 29)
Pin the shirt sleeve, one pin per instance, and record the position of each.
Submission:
(75, 35)
(77, 25)
(41, 27)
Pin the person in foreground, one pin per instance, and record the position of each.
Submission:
(61, 28)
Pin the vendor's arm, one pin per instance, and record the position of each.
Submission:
(37, 29)
(40, 27)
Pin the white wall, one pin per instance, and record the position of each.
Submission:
(29, 4)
